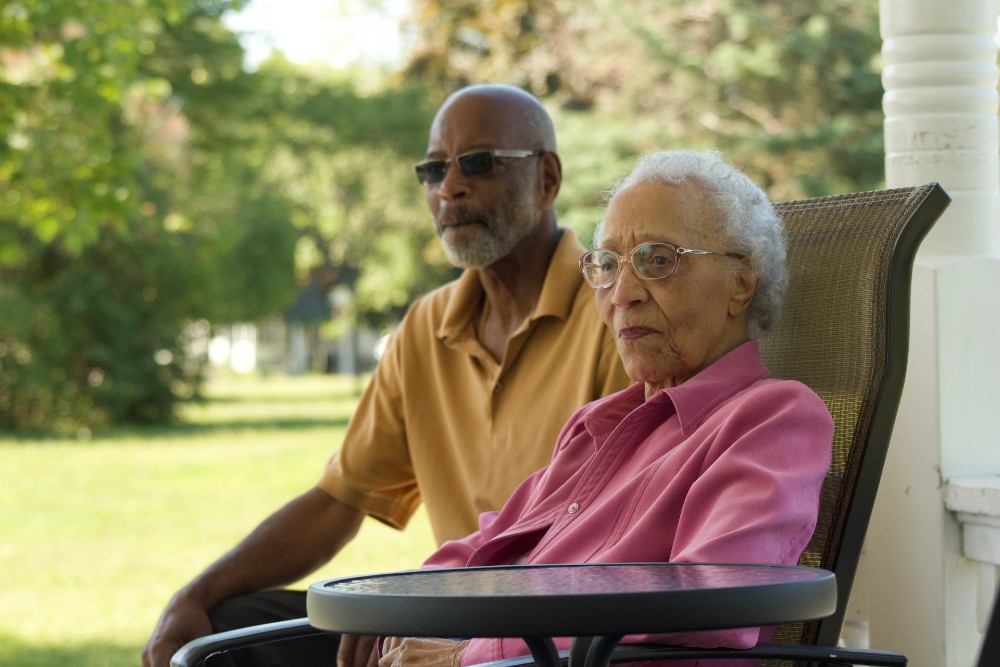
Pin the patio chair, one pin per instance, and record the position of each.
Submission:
(844, 332)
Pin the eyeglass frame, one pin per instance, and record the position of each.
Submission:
(680, 251)
(493, 153)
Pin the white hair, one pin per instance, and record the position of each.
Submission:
(749, 220)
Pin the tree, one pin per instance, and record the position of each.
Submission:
(154, 185)
(344, 160)
(98, 289)
(150, 184)
(788, 90)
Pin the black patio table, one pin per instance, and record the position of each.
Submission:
(596, 604)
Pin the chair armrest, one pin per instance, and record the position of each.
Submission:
(196, 652)
(825, 655)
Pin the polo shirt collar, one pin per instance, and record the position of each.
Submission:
(562, 282)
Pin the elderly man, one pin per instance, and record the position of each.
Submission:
(467, 399)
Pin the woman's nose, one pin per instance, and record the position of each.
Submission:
(628, 288)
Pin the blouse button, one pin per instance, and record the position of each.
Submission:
(573, 508)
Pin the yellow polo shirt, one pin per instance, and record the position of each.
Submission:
(444, 423)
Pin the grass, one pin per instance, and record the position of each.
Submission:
(96, 535)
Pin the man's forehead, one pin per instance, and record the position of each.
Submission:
(472, 120)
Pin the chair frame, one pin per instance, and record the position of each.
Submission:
(989, 654)
(818, 641)
(197, 651)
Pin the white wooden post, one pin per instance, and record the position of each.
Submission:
(923, 596)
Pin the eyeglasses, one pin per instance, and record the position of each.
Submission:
(473, 163)
(649, 261)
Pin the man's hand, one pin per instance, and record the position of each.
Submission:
(287, 546)
(422, 652)
(180, 622)
(357, 651)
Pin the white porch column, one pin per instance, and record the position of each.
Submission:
(940, 102)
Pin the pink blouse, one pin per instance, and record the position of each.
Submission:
(726, 467)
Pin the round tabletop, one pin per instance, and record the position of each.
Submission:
(571, 600)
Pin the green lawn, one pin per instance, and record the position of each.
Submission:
(96, 535)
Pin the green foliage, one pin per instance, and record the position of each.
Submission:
(789, 90)
(96, 338)
(260, 235)
(98, 258)
(135, 150)
(596, 148)
(344, 161)
(150, 183)
(65, 70)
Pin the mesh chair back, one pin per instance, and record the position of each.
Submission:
(844, 332)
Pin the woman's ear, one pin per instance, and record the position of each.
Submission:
(745, 284)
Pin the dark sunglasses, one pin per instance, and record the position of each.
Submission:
(473, 163)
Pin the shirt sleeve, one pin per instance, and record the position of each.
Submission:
(373, 471)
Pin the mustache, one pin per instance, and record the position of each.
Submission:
(463, 216)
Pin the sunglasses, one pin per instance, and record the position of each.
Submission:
(649, 261)
(473, 163)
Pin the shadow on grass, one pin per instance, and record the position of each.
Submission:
(272, 423)
(253, 405)
(282, 397)
(14, 651)
(185, 429)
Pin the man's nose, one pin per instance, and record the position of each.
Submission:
(455, 184)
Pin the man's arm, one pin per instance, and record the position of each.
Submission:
(290, 544)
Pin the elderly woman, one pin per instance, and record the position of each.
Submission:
(705, 458)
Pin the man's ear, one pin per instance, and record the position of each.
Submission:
(550, 174)
(745, 283)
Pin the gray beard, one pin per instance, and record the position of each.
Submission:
(499, 234)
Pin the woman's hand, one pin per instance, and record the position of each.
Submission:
(357, 651)
(421, 652)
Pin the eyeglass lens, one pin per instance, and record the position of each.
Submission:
(651, 261)
(471, 164)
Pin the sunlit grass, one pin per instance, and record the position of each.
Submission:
(96, 535)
